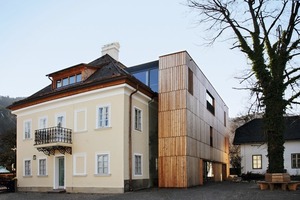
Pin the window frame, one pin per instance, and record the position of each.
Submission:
(66, 81)
(135, 155)
(46, 123)
(211, 136)
(25, 170)
(63, 115)
(138, 120)
(297, 158)
(190, 81)
(98, 125)
(210, 106)
(39, 167)
(97, 173)
(257, 161)
(25, 137)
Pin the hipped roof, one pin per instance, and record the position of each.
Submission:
(108, 72)
(252, 132)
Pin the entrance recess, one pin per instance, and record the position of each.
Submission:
(60, 172)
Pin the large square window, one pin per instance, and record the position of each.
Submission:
(142, 76)
(256, 161)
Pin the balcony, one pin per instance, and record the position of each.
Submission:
(48, 140)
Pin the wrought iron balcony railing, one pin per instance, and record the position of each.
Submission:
(55, 134)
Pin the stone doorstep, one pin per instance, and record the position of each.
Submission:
(57, 191)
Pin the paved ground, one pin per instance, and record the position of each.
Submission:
(214, 191)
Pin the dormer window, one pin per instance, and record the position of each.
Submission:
(71, 75)
(68, 80)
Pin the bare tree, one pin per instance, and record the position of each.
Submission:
(267, 32)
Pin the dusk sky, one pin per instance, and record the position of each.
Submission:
(39, 37)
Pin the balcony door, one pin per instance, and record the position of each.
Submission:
(60, 122)
(59, 178)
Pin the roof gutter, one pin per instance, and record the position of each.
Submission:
(130, 137)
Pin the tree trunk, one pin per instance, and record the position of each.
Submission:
(274, 126)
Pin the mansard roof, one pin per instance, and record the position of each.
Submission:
(252, 132)
(105, 72)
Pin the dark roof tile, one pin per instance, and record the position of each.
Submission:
(252, 132)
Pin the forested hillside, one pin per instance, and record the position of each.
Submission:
(7, 133)
(7, 120)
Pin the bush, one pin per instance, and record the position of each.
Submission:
(252, 176)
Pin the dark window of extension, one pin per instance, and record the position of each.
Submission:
(211, 139)
(210, 103)
(191, 82)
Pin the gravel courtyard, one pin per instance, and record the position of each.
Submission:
(214, 191)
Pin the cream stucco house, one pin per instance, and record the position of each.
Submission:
(102, 127)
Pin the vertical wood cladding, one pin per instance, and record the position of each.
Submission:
(184, 123)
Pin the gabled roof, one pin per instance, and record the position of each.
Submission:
(252, 132)
(108, 72)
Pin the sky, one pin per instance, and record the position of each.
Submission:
(38, 37)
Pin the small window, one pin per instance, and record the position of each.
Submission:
(256, 161)
(102, 167)
(211, 139)
(72, 79)
(42, 167)
(78, 78)
(65, 81)
(27, 129)
(210, 103)
(27, 167)
(190, 82)
(137, 119)
(103, 117)
(295, 160)
(225, 118)
(138, 164)
(58, 84)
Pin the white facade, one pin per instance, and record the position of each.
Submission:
(250, 150)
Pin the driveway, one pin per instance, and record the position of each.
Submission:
(214, 191)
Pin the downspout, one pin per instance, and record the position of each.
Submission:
(130, 138)
(150, 183)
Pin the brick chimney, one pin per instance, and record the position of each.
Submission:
(112, 50)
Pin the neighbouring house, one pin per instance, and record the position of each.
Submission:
(252, 141)
(104, 128)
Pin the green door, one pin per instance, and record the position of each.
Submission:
(61, 172)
